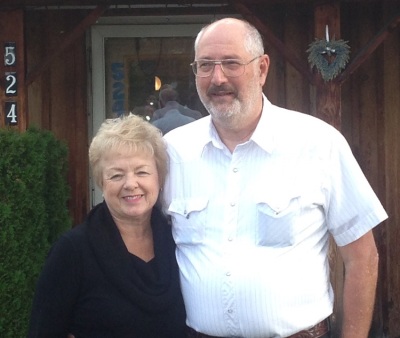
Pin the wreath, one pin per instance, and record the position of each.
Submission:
(329, 57)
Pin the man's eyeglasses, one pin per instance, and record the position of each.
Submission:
(230, 67)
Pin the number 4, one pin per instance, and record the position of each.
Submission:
(11, 112)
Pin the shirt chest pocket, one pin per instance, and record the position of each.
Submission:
(277, 219)
(189, 220)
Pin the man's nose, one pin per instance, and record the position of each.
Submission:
(218, 76)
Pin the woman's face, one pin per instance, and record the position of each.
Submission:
(130, 184)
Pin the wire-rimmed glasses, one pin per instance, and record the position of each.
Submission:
(230, 67)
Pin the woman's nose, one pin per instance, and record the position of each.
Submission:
(131, 182)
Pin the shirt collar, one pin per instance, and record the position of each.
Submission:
(262, 136)
(211, 138)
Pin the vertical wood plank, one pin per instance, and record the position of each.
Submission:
(39, 91)
(328, 93)
(371, 123)
(390, 233)
(58, 96)
(297, 25)
(328, 108)
(68, 104)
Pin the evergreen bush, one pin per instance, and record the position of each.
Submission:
(33, 213)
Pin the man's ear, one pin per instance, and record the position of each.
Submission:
(264, 67)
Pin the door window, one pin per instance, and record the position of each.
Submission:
(130, 63)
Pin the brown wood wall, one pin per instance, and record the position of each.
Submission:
(58, 98)
(370, 110)
(371, 122)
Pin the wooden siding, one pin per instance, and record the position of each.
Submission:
(370, 108)
(371, 122)
(390, 189)
(58, 98)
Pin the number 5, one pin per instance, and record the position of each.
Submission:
(9, 54)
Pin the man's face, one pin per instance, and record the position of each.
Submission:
(230, 98)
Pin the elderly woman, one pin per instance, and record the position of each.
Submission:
(116, 275)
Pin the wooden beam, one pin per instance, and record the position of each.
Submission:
(328, 96)
(27, 3)
(328, 108)
(35, 3)
(366, 52)
(273, 40)
(80, 29)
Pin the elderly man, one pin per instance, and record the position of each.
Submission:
(254, 192)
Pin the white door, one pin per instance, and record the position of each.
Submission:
(130, 62)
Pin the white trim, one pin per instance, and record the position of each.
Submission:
(99, 33)
(157, 20)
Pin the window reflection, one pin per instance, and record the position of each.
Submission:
(133, 66)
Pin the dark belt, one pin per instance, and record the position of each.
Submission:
(321, 330)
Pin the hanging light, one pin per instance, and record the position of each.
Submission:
(157, 83)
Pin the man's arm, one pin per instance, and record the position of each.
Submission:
(361, 271)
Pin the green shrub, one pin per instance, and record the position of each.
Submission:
(33, 213)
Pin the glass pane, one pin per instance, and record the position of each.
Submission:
(136, 68)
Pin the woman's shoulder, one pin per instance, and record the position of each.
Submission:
(70, 241)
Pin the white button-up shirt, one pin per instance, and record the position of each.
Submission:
(252, 226)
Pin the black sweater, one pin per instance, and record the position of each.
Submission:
(91, 286)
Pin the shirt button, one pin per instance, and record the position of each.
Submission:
(233, 204)
(235, 170)
(228, 274)
(230, 311)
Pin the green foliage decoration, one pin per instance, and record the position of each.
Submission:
(33, 213)
(329, 57)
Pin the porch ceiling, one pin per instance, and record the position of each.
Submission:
(37, 4)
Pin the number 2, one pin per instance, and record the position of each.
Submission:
(11, 84)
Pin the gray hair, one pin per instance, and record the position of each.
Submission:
(253, 41)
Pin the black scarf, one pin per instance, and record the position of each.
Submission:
(115, 260)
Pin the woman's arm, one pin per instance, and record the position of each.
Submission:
(56, 292)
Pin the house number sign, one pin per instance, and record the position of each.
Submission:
(11, 85)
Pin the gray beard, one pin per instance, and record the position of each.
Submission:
(229, 114)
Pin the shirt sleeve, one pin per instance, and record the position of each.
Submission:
(353, 207)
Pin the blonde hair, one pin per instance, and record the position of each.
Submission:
(128, 131)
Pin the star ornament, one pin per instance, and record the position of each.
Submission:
(329, 57)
